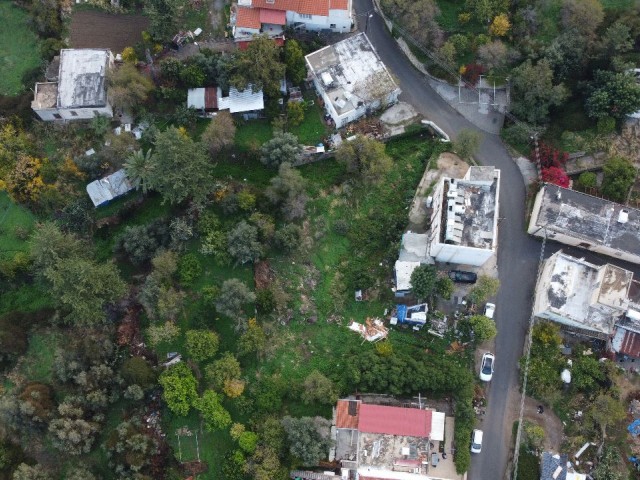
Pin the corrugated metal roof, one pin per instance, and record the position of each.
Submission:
(410, 422)
(626, 342)
(243, 101)
(275, 17)
(107, 188)
(343, 418)
(200, 98)
(248, 18)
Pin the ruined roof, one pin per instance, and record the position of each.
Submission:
(82, 78)
(411, 422)
(552, 463)
(588, 218)
(351, 73)
(579, 294)
(347, 413)
(626, 342)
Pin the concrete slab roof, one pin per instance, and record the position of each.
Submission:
(351, 73)
(589, 218)
(82, 78)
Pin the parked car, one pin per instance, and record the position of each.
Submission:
(476, 441)
(489, 310)
(486, 367)
(462, 277)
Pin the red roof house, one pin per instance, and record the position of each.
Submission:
(410, 422)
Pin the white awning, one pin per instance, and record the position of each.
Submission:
(437, 426)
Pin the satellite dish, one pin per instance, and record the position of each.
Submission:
(566, 376)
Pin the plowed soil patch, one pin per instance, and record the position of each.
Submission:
(105, 30)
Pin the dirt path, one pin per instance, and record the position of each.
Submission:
(552, 425)
(216, 15)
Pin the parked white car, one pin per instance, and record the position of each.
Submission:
(489, 310)
(476, 441)
(486, 367)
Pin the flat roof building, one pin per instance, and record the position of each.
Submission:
(588, 222)
(80, 90)
(351, 79)
(464, 221)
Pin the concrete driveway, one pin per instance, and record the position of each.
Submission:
(517, 252)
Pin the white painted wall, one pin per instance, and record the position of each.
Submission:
(459, 254)
(47, 115)
(341, 19)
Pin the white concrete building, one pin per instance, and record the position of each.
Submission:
(464, 221)
(588, 222)
(252, 17)
(80, 90)
(583, 297)
(351, 79)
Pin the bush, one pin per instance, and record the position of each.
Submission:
(549, 156)
(288, 237)
(141, 242)
(189, 269)
(202, 344)
(555, 175)
(588, 180)
(341, 227)
(606, 125)
(265, 301)
(472, 73)
(619, 175)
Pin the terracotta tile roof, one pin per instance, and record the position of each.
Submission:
(275, 17)
(339, 5)
(306, 7)
(248, 18)
(410, 422)
(343, 419)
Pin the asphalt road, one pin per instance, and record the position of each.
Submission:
(518, 253)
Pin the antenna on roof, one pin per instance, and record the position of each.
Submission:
(558, 195)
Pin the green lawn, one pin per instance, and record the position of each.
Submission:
(312, 129)
(251, 134)
(38, 361)
(19, 49)
(15, 222)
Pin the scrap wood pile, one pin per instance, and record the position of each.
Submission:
(372, 330)
(369, 127)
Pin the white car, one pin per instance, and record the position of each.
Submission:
(476, 441)
(489, 310)
(486, 367)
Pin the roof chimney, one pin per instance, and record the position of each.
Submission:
(623, 216)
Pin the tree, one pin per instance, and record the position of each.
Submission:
(283, 147)
(294, 60)
(288, 190)
(365, 156)
(445, 287)
(494, 55)
(220, 132)
(24, 184)
(609, 464)
(178, 168)
(130, 448)
(419, 18)
(179, 388)
(248, 441)
(485, 288)
(616, 39)
(467, 143)
(534, 434)
(258, 67)
(483, 327)
(308, 438)
(588, 180)
(162, 18)
(317, 388)
(500, 25)
(288, 237)
(71, 435)
(141, 242)
(614, 94)
(605, 411)
(213, 413)
(163, 332)
(84, 287)
(223, 370)
(202, 344)
(567, 55)
(619, 175)
(253, 340)
(534, 92)
(137, 371)
(139, 169)
(582, 16)
(28, 472)
(127, 87)
(295, 113)
(243, 243)
(234, 294)
(79, 472)
(423, 281)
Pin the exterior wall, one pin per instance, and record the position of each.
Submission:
(341, 19)
(243, 32)
(459, 254)
(47, 114)
(81, 113)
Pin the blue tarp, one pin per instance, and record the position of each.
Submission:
(401, 313)
(634, 428)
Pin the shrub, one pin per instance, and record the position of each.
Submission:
(549, 156)
(202, 344)
(265, 301)
(189, 269)
(606, 125)
(288, 237)
(588, 180)
(555, 175)
(341, 227)
(472, 73)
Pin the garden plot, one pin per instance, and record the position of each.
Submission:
(91, 29)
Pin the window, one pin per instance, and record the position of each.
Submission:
(305, 15)
(57, 116)
(333, 25)
(73, 113)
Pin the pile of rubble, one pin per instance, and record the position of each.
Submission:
(372, 331)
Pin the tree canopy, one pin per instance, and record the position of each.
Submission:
(614, 94)
(179, 388)
(259, 67)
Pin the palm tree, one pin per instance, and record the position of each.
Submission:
(139, 169)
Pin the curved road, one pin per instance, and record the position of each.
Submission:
(518, 253)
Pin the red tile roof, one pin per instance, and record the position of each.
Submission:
(339, 5)
(275, 17)
(343, 419)
(410, 422)
(630, 344)
(307, 7)
(248, 18)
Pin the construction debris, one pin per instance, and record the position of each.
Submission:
(372, 331)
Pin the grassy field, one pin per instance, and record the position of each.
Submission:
(38, 361)
(19, 50)
(15, 223)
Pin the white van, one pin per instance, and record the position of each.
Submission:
(476, 441)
